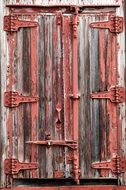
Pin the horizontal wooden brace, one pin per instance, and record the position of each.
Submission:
(65, 5)
(100, 187)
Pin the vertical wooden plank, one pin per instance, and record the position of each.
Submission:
(102, 85)
(19, 88)
(112, 81)
(34, 106)
(84, 107)
(75, 96)
(94, 87)
(10, 82)
(56, 127)
(48, 93)
(57, 93)
(26, 89)
(67, 79)
(42, 97)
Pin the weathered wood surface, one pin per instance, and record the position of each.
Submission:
(63, 2)
(54, 74)
(94, 130)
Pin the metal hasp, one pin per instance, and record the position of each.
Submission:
(117, 165)
(13, 166)
(115, 24)
(75, 22)
(13, 23)
(114, 94)
(13, 99)
(70, 144)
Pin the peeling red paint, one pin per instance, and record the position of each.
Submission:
(57, 135)
(34, 106)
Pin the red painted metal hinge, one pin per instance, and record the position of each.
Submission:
(117, 165)
(114, 94)
(13, 23)
(13, 99)
(13, 166)
(115, 24)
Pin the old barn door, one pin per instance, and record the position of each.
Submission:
(62, 94)
(40, 97)
(99, 121)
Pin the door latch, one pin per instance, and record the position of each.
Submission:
(70, 144)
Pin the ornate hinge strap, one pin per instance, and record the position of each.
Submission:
(114, 94)
(117, 165)
(114, 24)
(13, 166)
(13, 99)
(13, 23)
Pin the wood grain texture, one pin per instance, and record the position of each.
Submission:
(96, 52)
(56, 2)
(97, 137)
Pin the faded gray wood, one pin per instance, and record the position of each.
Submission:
(90, 114)
(63, 2)
(3, 82)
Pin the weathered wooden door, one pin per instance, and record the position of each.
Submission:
(62, 94)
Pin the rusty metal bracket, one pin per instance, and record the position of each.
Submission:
(13, 166)
(115, 24)
(70, 144)
(117, 165)
(13, 23)
(13, 99)
(114, 94)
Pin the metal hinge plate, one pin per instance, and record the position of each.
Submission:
(115, 24)
(13, 99)
(117, 165)
(13, 166)
(114, 94)
(13, 23)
